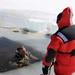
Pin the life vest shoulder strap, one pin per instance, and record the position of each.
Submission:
(62, 36)
(66, 34)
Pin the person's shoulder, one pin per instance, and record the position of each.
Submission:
(28, 53)
(55, 37)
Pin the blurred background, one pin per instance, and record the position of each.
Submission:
(33, 15)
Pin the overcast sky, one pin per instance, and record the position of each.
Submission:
(51, 6)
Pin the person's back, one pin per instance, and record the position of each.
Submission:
(65, 56)
(62, 46)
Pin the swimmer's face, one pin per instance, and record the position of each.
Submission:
(21, 51)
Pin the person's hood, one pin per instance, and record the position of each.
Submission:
(66, 18)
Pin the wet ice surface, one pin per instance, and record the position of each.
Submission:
(36, 41)
(33, 69)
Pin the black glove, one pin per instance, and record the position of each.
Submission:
(45, 70)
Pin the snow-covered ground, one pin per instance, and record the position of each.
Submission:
(37, 40)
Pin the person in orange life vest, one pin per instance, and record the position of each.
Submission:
(62, 46)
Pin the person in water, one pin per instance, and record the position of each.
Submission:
(22, 57)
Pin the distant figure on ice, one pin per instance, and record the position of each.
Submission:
(62, 46)
(22, 57)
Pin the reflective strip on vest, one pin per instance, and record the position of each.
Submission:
(62, 36)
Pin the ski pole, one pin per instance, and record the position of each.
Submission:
(49, 69)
